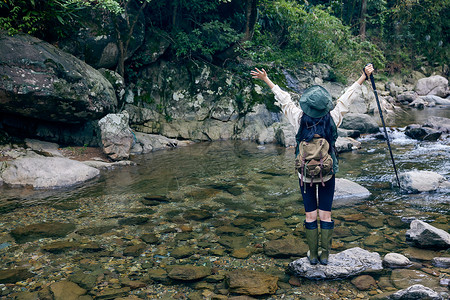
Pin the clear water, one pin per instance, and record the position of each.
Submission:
(232, 179)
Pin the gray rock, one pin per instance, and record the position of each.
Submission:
(116, 80)
(41, 230)
(419, 103)
(348, 133)
(40, 81)
(407, 97)
(396, 260)
(47, 172)
(424, 235)
(345, 144)
(422, 133)
(433, 100)
(102, 165)
(441, 262)
(152, 142)
(422, 181)
(44, 148)
(361, 122)
(439, 123)
(341, 265)
(348, 192)
(416, 291)
(434, 85)
(117, 137)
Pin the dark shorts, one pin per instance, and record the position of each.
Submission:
(325, 193)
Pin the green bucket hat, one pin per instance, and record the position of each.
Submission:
(316, 102)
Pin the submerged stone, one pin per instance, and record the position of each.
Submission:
(403, 278)
(41, 230)
(285, 248)
(14, 275)
(66, 290)
(341, 265)
(133, 221)
(197, 215)
(188, 273)
(182, 252)
(249, 282)
(364, 282)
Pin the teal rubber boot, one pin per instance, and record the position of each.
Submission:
(312, 239)
(326, 229)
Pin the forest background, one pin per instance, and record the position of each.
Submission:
(395, 35)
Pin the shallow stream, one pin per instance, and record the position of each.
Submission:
(215, 198)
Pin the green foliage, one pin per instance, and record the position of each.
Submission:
(289, 34)
(206, 40)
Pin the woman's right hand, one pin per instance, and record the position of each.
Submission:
(368, 70)
(259, 74)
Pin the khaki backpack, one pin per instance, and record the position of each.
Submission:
(313, 159)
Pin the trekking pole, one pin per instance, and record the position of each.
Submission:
(384, 126)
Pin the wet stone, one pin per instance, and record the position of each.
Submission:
(359, 230)
(244, 223)
(421, 254)
(403, 278)
(285, 248)
(41, 230)
(134, 250)
(341, 231)
(158, 275)
(134, 221)
(154, 200)
(396, 222)
(85, 280)
(229, 230)
(204, 286)
(188, 273)
(353, 217)
(364, 282)
(150, 238)
(441, 262)
(182, 252)
(112, 293)
(249, 282)
(59, 246)
(373, 222)
(234, 242)
(396, 260)
(241, 253)
(274, 224)
(374, 240)
(66, 205)
(66, 290)
(197, 215)
(215, 278)
(14, 275)
(96, 230)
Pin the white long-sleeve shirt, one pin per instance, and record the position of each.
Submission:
(294, 112)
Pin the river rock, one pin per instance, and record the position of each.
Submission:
(403, 278)
(249, 282)
(134, 250)
(348, 192)
(396, 260)
(117, 137)
(285, 248)
(44, 148)
(188, 273)
(47, 172)
(344, 144)
(422, 181)
(361, 122)
(407, 97)
(182, 252)
(424, 235)
(348, 133)
(41, 230)
(441, 262)
(40, 81)
(364, 282)
(434, 85)
(347, 263)
(422, 133)
(433, 100)
(66, 290)
(151, 142)
(416, 291)
(439, 123)
(102, 165)
(14, 275)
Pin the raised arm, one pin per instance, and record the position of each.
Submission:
(343, 103)
(262, 74)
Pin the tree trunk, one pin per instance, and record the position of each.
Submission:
(251, 13)
(362, 27)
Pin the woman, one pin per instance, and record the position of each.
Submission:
(316, 118)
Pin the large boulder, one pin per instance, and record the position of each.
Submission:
(341, 265)
(42, 82)
(348, 192)
(439, 123)
(422, 133)
(361, 122)
(47, 172)
(422, 181)
(146, 143)
(117, 137)
(434, 85)
(424, 235)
